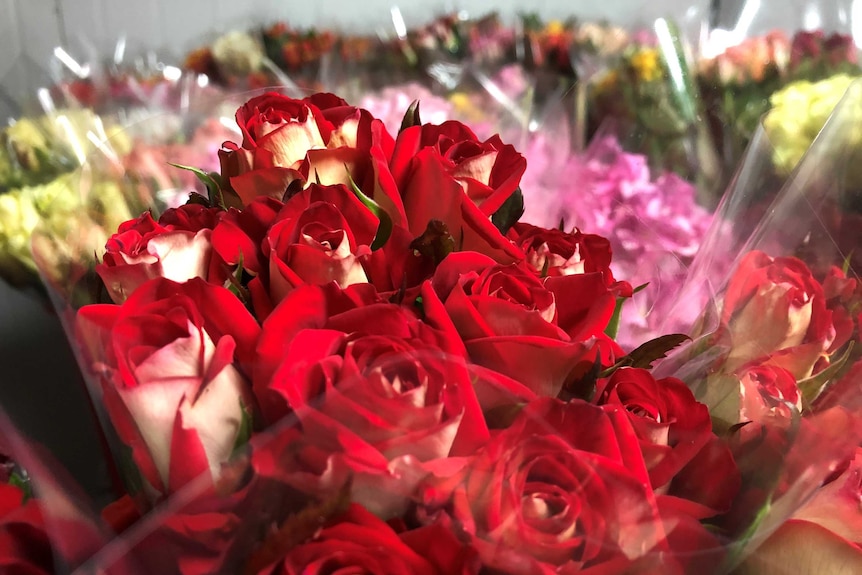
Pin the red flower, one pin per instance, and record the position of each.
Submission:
(675, 435)
(553, 252)
(437, 175)
(375, 389)
(563, 489)
(359, 542)
(774, 304)
(489, 171)
(171, 362)
(310, 140)
(178, 248)
(543, 333)
(24, 544)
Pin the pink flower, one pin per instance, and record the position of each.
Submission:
(654, 224)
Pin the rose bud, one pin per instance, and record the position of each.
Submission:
(170, 362)
(177, 248)
(773, 304)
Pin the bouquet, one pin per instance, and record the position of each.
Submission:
(649, 95)
(350, 354)
(235, 60)
(740, 84)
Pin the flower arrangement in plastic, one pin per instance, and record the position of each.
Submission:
(650, 95)
(778, 344)
(46, 182)
(741, 83)
(351, 354)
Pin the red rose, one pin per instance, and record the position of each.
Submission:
(277, 133)
(489, 171)
(553, 252)
(432, 191)
(239, 235)
(25, 547)
(359, 542)
(563, 489)
(178, 248)
(311, 140)
(171, 362)
(765, 387)
(373, 387)
(675, 435)
(322, 234)
(543, 333)
(774, 304)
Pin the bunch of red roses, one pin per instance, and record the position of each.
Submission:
(360, 360)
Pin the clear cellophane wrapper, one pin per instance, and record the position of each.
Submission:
(772, 299)
(749, 56)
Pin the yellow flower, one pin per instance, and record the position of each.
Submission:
(798, 113)
(555, 28)
(646, 64)
(25, 137)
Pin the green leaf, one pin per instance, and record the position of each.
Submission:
(502, 416)
(129, 472)
(234, 283)
(22, 481)
(720, 393)
(509, 213)
(545, 267)
(646, 354)
(614, 323)
(196, 198)
(814, 385)
(585, 386)
(411, 117)
(845, 267)
(211, 180)
(245, 428)
(384, 229)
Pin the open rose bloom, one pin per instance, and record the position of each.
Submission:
(350, 356)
